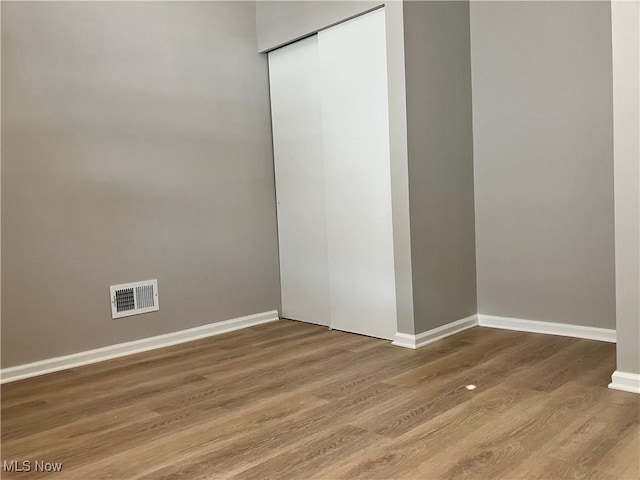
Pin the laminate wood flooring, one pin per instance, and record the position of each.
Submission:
(290, 400)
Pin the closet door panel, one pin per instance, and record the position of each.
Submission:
(357, 176)
(294, 74)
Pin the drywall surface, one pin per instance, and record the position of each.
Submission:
(543, 154)
(440, 148)
(281, 22)
(136, 144)
(625, 20)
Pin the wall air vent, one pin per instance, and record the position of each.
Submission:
(134, 298)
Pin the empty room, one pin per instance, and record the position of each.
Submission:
(320, 239)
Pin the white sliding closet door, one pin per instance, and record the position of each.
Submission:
(357, 175)
(294, 75)
(331, 147)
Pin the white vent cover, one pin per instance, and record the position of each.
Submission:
(134, 298)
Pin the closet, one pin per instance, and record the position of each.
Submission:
(331, 151)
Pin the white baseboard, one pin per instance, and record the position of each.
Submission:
(550, 328)
(425, 338)
(50, 365)
(627, 382)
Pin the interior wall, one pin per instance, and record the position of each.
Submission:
(136, 144)
(440, 146)
(542, 120)
(281, 22)
(284, 21)
(626, 121)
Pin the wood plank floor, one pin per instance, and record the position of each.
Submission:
(289, 400)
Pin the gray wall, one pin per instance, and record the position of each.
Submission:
(542, 111)
(281, 22)
(626, 108)
(440, 145)
(136, 144)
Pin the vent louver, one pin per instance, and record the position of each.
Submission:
(144, 296)
(125, 300)
(134, 298)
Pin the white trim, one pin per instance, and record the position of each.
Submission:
(627, 382)
(550, 328)
(41, 367)
(425, 338)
